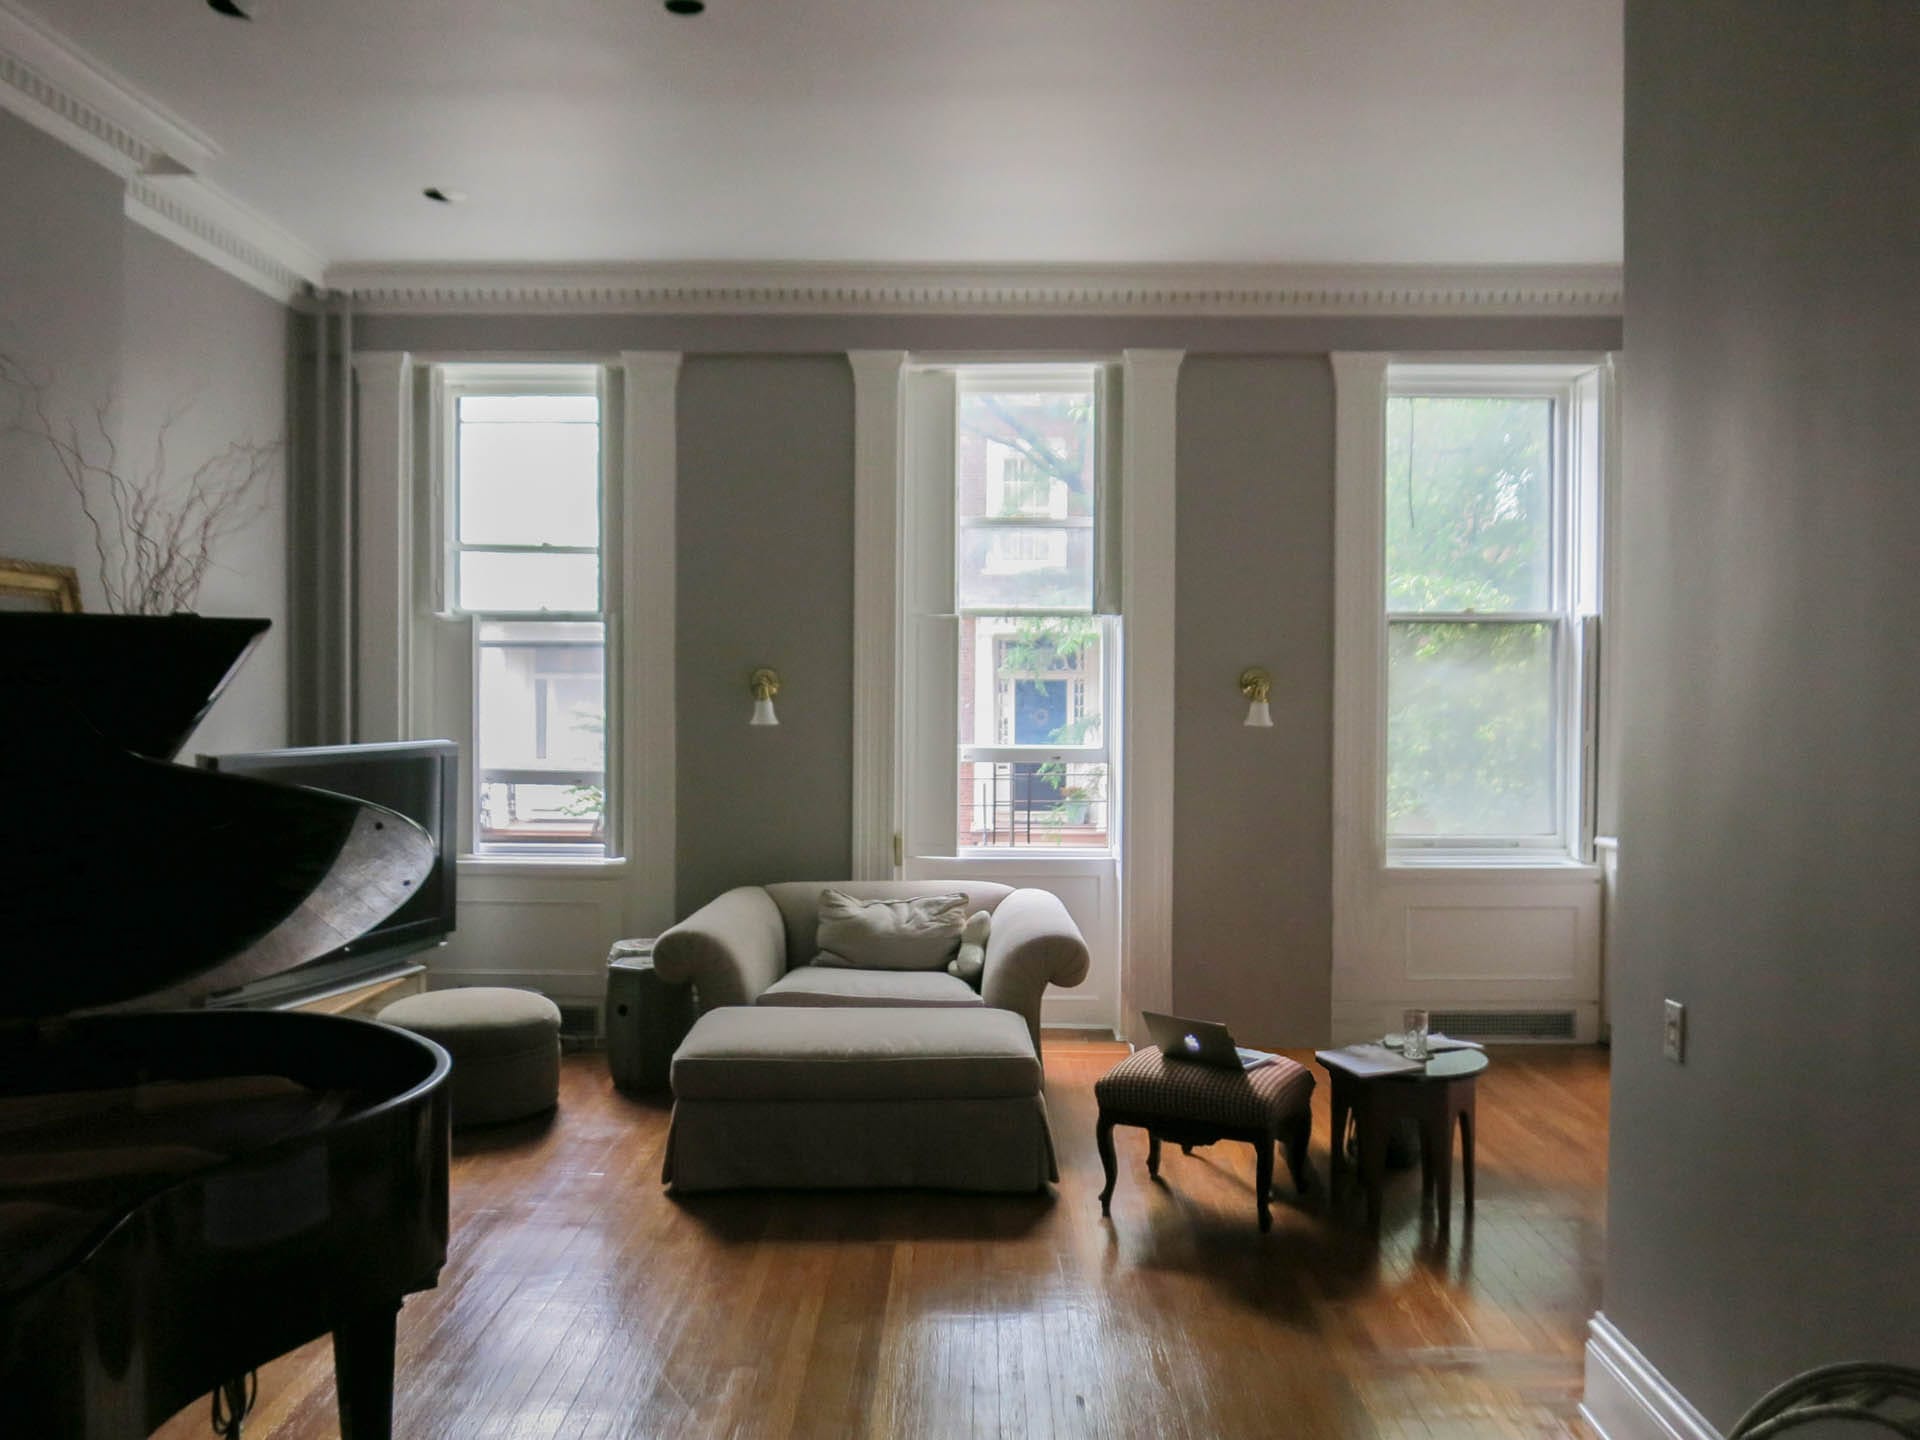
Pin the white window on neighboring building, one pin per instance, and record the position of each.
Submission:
(1490, 543)
(1034, 767)
(523, 504)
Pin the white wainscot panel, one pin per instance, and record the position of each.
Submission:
(1485, 942)
(1089, 889)
(540, 933)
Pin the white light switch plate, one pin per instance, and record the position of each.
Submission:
(1673, 1042)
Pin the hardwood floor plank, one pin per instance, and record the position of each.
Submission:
(581, 1301)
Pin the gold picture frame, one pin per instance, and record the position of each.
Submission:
(28, 585)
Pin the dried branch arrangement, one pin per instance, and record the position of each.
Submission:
(154, 531)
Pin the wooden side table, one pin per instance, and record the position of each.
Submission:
(1436, 1100)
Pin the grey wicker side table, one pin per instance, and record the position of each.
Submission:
(646, 1017)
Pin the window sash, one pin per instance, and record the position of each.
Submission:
(1567, 541)
(452, 383)
(456, 382)
(1553, 839)
(481, 774)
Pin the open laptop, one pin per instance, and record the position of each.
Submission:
(1202, 1040)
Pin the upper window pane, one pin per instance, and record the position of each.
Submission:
(1025, 567)
(528, 581)
(529, 470)
(1024, 499)
(1469, 502)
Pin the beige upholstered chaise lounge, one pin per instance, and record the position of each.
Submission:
(818, 1077)
(754, 945)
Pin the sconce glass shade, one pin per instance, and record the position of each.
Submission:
(764, 684)
(1256, 684)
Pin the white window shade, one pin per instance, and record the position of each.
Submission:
(1107, 598)
(931, 634)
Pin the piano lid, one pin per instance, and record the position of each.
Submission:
(143, 681)
(125, 877)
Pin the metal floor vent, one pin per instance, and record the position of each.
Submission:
(579, 1025)
(1504, 1024)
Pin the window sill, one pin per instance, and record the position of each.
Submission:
(1029, 862)
(1501, 865)
(574, 867)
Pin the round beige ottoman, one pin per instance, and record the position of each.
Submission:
(505, 1046)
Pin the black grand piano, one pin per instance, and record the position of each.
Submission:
(188, 1193)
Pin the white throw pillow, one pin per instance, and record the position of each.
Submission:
(921, 933)
(972, 957)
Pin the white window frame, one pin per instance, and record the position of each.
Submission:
(1066, 377)
(1581, 391)
(451, 382)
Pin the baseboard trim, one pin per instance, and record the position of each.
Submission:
(1627, 1399)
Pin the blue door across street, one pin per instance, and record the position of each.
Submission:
(1039, 715)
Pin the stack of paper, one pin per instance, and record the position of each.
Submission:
(1366, 1061)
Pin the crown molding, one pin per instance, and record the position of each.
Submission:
(57, 88)
(210, 224)
(52, 84)
(1141, 290)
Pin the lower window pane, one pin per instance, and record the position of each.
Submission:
(1470, 730)
(1030, 680)
(1031, 803)
(540, 692)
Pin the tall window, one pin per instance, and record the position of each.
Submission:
(1033, 678)
(523, 510)
(1491, 565)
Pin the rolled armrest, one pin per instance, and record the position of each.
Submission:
(731, 948)
(1033, 943)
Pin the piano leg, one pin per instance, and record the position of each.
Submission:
(363, 1375)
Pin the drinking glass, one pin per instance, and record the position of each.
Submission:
(1413, 1027)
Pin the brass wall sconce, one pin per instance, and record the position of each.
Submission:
(765, 684)
(1256, 684)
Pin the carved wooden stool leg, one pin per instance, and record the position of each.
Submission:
(1103, 1137)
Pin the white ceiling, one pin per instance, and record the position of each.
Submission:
(1050, 131)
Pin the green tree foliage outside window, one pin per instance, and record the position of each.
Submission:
(1469, 531)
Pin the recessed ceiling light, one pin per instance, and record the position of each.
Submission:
(440, 195)
(232, 9)
(685, 7)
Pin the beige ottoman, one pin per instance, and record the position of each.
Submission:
(505, 1046)
(856, 1097)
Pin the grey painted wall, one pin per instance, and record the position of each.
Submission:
(60, 306)
(202, 347)
(102, 310)
(1762, 1212)
(765, 577)
(1253, 836)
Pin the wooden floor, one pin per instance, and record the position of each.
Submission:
(579, 1301)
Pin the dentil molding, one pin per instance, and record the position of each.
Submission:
(1131, 290)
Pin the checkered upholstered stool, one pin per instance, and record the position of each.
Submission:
(1192, 1104)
